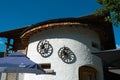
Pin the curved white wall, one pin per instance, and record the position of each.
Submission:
(78, 39)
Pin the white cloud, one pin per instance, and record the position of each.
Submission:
(117, 46)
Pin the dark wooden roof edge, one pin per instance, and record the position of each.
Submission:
(88, 19)
(14, 29)
(51, 21)
(81, 19)
(58, 20)
(106, 51)
(12, 33)
(110, 58)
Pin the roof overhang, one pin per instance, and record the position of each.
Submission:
(110, 58)
(12, 34)
(27, 34)
(96, 23)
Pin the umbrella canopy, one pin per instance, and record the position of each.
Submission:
(19, 63)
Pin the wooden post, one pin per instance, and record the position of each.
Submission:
(7, 47)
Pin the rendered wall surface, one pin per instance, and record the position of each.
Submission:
(78, 39)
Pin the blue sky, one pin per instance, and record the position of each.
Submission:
(20, 13)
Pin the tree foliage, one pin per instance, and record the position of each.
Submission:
(112, 6)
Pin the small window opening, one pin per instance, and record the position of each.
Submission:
(47, 68)
(45, 65)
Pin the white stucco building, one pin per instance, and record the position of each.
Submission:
(64, 47)
(77, 39)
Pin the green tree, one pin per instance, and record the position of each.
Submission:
(111, 6)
